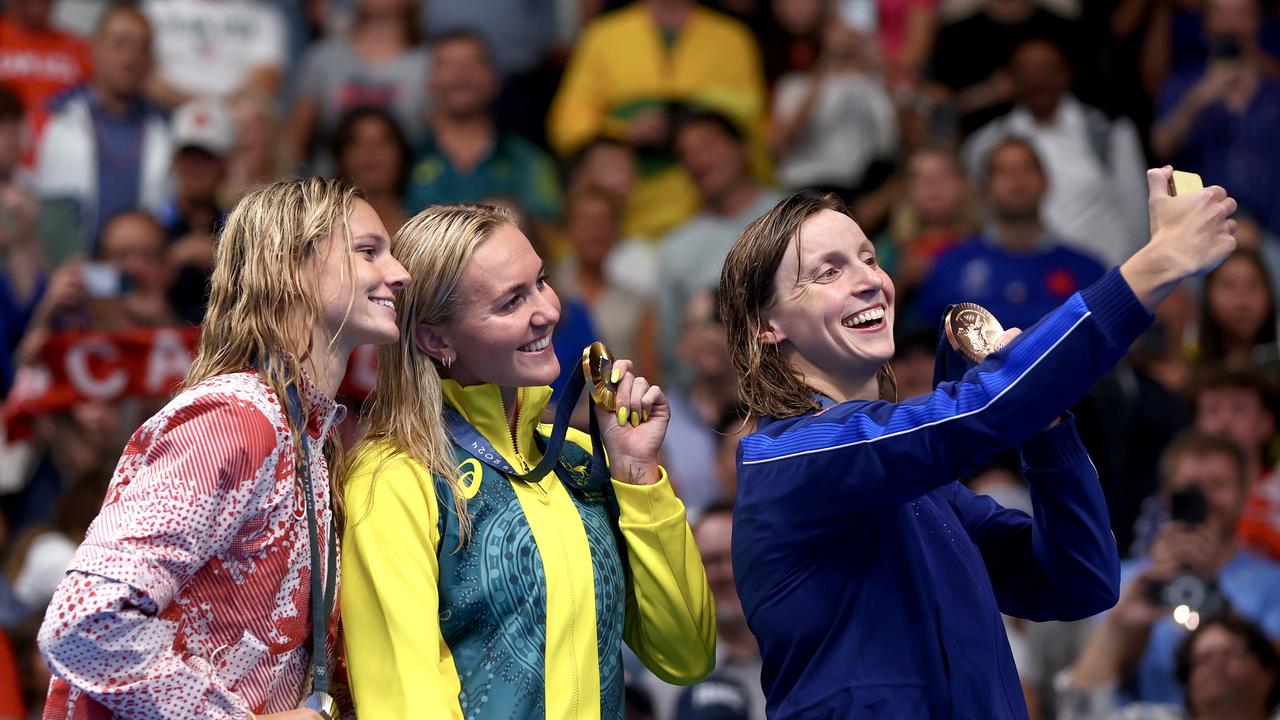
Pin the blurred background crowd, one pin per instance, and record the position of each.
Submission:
(994, 150)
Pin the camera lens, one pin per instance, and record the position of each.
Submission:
(1185, 589)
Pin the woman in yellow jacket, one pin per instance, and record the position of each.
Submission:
(471, 588)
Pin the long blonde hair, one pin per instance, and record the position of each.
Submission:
(263, 300)
(435, 247)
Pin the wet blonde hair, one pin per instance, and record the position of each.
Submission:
(434, 247)
(263, 299)
(769, 383)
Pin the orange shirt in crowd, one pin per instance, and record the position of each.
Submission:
(1259, 527)
(10, 682)
(36, 65)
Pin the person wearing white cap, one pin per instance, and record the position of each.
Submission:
(203, 136)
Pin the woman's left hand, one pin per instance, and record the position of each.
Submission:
(633, 434)
(1007, 338)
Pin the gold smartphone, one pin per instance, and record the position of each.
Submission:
(1183, 183)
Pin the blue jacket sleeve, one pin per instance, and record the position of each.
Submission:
(859, 458)
(1061, 564)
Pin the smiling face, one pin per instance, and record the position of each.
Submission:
(1041, 76)
(462, 80)
(1016, 182)
(122, 52)
(1239, 300)
(835, 318)
(936, 187)
(134, 244)
(358, 304)
(715, 160)
(1239, 413)
(713, 534)
(373, 157)
(500, 332)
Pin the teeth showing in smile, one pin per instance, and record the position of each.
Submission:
(384, 303)
(536, 345)
(865, 318)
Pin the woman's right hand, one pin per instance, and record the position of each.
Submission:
(66, 289)
(633, 436)
(1190, 235)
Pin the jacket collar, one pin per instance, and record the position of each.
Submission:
(322, 411)
(482, 407)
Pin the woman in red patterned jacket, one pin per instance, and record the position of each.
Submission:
(195, 590)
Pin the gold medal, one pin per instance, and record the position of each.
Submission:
(973, 330)
(597, 365)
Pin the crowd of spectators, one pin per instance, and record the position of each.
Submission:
(994, 151)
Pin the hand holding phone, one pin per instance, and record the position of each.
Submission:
(102, 281)
(1184, 183)
(861, 15)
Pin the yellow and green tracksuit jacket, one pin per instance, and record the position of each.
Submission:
(622, 65)
(525, 619)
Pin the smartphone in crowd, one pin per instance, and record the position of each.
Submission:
(103, 281)
(861, 15)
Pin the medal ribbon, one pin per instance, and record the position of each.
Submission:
(467, 437)
(321, 601)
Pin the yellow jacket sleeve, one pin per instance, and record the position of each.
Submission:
(579, 111)
(398, 663)
(738, 87)
(671, 616)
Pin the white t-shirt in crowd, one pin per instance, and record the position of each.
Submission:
(1097, 185)
(209, 47)
(852, 124)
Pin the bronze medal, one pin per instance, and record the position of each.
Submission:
(597, 364)
(973, 330)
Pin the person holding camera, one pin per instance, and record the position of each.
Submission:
(1194, 571)
(1228, 667)
(1219, 121)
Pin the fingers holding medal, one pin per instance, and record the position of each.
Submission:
(635, 399)
(616, 389)
(633, 415)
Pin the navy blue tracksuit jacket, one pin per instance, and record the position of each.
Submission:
(874, 582)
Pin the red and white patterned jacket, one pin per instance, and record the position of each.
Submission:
(190, 596)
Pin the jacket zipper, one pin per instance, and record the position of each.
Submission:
(524, 465)
(563, 543)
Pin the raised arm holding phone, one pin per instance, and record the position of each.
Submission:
(870, 577)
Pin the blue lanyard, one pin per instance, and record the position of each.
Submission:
(466, 436)
(321, 602)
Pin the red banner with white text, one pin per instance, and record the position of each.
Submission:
(78, 366)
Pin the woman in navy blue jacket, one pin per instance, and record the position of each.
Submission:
(873, 581)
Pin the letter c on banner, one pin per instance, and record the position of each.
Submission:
(470, 473)
(77, 363)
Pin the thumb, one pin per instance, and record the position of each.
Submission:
(1158, 181)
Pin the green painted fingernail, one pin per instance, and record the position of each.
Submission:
(622, 416)
(644, 417)
(635, 420)
(616, 375)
